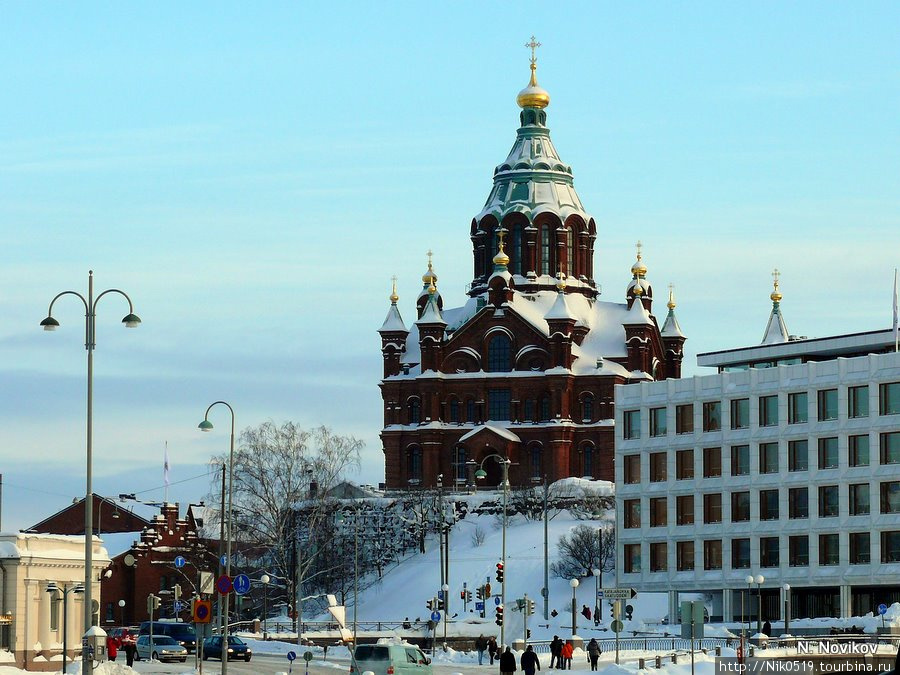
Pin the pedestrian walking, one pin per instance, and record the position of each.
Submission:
(555, 651)
(507, 662)
(493, 649)
(594, 651)
(567, 651)
(530, 661)
(130, 650)
(481, 644)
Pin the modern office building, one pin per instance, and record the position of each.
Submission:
(785, 464)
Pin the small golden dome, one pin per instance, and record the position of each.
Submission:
(637, 290)
(671, 303)
(501, 258)
(533, 96)
(394, 296)
(639, 269)
(429, 277)
(560, 282)
(776, 294)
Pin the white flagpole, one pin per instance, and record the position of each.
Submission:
(166, 473)
(896, 334)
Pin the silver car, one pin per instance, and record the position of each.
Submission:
(162, 648)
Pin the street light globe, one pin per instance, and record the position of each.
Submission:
(445, 588)
(573, 583)
(787, 588)
(749, 579)
(595, 572)
(121, 603)
(265, 578)
(760, 578)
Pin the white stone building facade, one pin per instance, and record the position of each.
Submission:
(791, 472)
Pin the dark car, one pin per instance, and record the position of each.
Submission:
(237, 648)
(182, 633)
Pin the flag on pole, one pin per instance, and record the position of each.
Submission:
(896, 334)
(166, 465)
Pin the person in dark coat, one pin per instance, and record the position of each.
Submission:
(130, 651)
(767, 629)
(586, 612)
(481, 644)
(507, 662)
(555, 651)
(594, 651)
(493, 649)
(530, 661)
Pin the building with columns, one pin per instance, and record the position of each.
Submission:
(32, 619)
(525, 369)
(785, 464)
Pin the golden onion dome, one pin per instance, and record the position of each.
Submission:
(394, 296)
(671, 303)
(637, 290)
(776, 294)
(429, 277)
(639, 269)
(501, 258)
(533, 96)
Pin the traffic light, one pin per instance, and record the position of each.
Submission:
(468, 597)
(487, 590)
(441, 604)
(527, 633)
(177, 591)
(152, 603)
(629, 610)
(430, 604)
(499, 619)
(500, 572)
(462, 595)
(529, 607)
(479, 592)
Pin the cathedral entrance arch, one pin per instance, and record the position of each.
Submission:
(491, 465)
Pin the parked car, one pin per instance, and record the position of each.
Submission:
(124, 636)
(390, 659)
(237, 648)
(163, 648)
(182, 633)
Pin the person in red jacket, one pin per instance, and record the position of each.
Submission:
(567, 652)
(112, 649)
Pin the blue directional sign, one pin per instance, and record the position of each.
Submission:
(497, 600)
(882, 609)
(479, 606)
(179, 561)
(291, 656)
(241, 584)
(440, 595)
(435, 616)
(178, 606)
(223, 561)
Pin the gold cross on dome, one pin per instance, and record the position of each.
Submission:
(639, 247)
(534, 44)
(775, 275)
(429, 254)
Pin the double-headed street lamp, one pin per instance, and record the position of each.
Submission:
(758, 580)
(481, 474)
(206, 425)
(65, 590)
(90, 335)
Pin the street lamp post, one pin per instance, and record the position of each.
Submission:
(481, 474)
(65, 590)
(446, 589)
(787, 609)
(207, 426)
(749, 581)
(122, 608)
(759, 618)
(90, 334)
(597, 572)
(574, 584)
(264, 579)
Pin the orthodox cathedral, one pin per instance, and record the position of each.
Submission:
(525, 370)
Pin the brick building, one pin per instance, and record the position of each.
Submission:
(526, 368)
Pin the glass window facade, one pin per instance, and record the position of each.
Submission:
(657, 421)
(712, 416)
(768, 411)
(828, 453)
(827, 404)
(740, 413)
(684, 419)
(632, 424)
(740, 460)
(798, 455)
(858, 450)
(684, 464)
(798, 408)
(858, 401)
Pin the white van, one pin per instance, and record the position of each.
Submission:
(390, 659)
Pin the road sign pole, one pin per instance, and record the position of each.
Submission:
(617, 612)
(525, 622)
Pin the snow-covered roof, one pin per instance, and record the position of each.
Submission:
(776, 331)
(393, 321)
(637, 315)
(670, 327)
(560, 309)
(495, 428)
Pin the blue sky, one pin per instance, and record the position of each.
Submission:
(252, 174)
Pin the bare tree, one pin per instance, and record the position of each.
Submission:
(585, 548)
(278, 468)
(478, 537)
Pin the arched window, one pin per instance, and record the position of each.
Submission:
(545, 408)
(470, 410)
(414, 464)
(460, 460)
(414, 408)
(499, 354)
(570, 250)
(545, 249)
(537, 461)
(454, 410)
(587, 460)
(528, 410)
(514, 249)
(587, 408)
